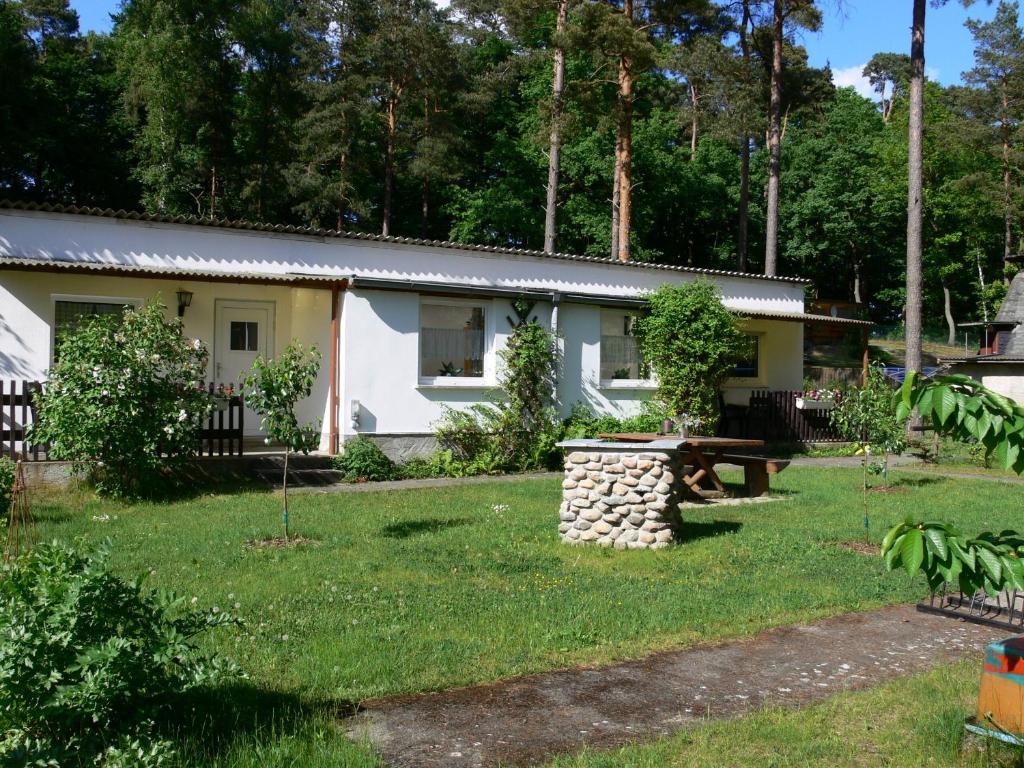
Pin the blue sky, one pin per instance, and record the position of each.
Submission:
(853, 31)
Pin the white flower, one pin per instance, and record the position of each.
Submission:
(182, 415)
(169, 429)
(499, 509)
(101, 518)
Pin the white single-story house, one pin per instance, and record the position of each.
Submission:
(406, 326)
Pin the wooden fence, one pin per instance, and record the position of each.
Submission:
(220, 434)
(773, 416)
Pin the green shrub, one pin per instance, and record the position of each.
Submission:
(89, 663)
(6, 485)
(582, 423)
(122, 402)
(438, 464)
(364, 460)
(693, 342)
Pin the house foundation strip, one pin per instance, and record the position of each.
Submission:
(622, 495)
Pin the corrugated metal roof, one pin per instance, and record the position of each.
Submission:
(101, 268)
(109, 213)
(802, 317)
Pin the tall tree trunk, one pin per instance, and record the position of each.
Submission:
(947, 310)
(771, 245)
(213, 192)
(741, 237)
(915, 189)
(389, 166)
(342, 167)
(425, 208)
(625, 144)
(1007, 199)
(555, 137)
(615, 203)
(693, 122)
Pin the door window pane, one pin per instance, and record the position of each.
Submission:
(748, 367)
(620, 353)
(452, 342)
(244, 336)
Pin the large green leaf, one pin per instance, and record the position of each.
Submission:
(935, 539)
(945, 403)
(893, 554)
(907, 392)
(924, 404)
(991, 564)
(1006, 452)
(912, 551)
(966, 554)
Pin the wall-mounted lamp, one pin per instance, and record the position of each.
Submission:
(184, 300)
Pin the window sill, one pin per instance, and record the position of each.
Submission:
(646, 385)
(455, 382)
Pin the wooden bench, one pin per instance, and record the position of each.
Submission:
(755, 471)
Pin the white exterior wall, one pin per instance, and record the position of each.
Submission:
(1005, 378)
(27, 313)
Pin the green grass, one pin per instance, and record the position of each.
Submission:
(911, 722)
(428, 589)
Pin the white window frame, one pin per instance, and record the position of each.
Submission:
(457, 382)
(650, 383)
(761, 379)
(82, 298)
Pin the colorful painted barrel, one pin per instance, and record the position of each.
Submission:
(1001, 700)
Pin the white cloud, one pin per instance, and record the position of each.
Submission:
(852, 76)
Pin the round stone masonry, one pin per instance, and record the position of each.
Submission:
(621, 495)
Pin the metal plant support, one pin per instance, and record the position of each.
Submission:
(20, 525)
(1006, 610)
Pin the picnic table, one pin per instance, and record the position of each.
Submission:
(702, 453)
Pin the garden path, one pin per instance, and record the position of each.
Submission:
(527, 720)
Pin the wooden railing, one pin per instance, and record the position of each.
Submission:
(225, 426)
(17, 413)
(220, 434)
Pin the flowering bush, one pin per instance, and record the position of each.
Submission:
(123, 401)
(89, 662)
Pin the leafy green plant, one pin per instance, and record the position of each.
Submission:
(122, 401)
(693, 342)
(865, 416)
(520, 430)
(449, 369)
(89, 662)
(437, 464)
(364, 460)
(273, 390)
(582, 423)
(988, 561)
(962, 408)
(6, 485)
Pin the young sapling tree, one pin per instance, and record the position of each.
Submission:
(273, 389)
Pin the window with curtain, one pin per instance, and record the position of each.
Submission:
(452, 341)
(620, 353)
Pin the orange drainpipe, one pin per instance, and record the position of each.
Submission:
(333, 437)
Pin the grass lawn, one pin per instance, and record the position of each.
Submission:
(426, 589)
(910, 722)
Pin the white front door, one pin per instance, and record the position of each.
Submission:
(244, 330)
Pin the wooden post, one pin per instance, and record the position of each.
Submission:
(332, 440)
(864, 350)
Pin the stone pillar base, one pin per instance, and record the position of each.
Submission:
(620, 499)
